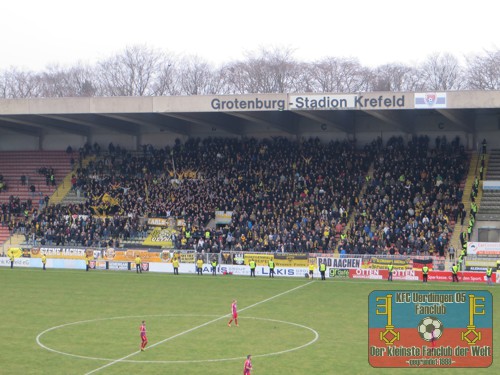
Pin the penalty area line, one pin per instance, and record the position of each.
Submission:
(195, 328)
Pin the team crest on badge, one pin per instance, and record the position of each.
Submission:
(430, 99)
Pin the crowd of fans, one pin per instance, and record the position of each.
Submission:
(412, 199)
(284, 195)
(13, 209)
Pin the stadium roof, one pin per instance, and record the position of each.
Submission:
(243, 115)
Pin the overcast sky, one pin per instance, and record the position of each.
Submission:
(37, 33)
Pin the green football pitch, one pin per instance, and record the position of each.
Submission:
(77, 322)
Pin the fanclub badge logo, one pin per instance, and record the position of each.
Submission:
(438, 328)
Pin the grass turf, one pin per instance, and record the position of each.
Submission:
(289, 325)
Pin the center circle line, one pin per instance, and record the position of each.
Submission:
(38, 339)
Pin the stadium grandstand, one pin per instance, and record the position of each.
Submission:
(363, 173)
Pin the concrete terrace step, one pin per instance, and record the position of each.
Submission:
(488, 204)
(490, 207)
(4, 234)
(488, 213)
(488, 201)
(72, 198)
(14, 164)
(488, 217)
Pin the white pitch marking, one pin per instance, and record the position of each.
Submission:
(195, 328)
(316, 336)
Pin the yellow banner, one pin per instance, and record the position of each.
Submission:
(384, 262)
(106, 198)
(481, 263)
(16, 251)
(187, 174)
(160, 237)
(61, 252)
(296, 260)
(291, 260)
(223, 217)
(129, 255)
(260, 259)
(187, 257)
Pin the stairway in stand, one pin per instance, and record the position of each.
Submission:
(490, 205)
(352, 214)
(467, 188)
(4, 235)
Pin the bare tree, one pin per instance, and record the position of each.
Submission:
(83, 81)
(483, 72)
(396, 78)
(265, 71)
(304, 81)
(338, 75)
(442, 72)
(218, 83)
(140, 70)
(131, 73)
(167, 80)
(54, 83)
(3, 85)
(197, 77)
(17, 84)
(72, 82)
(282, 69)
(236, 77)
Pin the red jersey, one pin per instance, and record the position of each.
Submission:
(143, 330)
(248, 367)
(234, 309)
